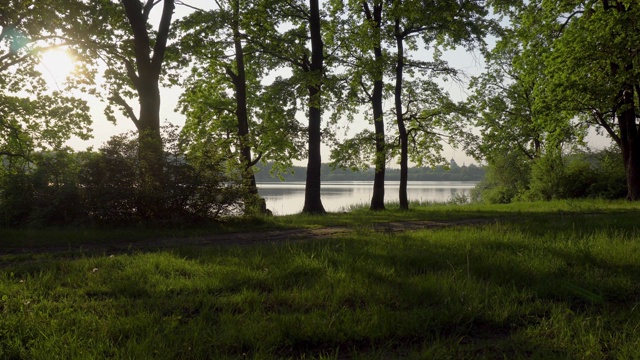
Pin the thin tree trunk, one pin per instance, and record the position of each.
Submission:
(240, 83)
(312, 200)
(402, 130)
(377, 200)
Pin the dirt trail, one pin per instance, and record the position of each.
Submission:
(241, 239)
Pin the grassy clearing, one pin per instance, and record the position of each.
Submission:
(355, 217)
(554, 281)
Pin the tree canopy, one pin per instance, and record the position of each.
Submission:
(272, 81)
(32, 116)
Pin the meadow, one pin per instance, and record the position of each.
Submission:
(548, 280)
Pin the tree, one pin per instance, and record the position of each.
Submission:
(362, 54)
(119, 34)
(373, 23)
(590, 71)
(424, 115)
(441, 23)
(509, 98)
(304, 24)
(225, 95)
(431, 118)
(315, 67)
(33, 117)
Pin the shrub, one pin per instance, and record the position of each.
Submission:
(506, 177)
(42, 191)
(104, 187)
(16, 197)
(611, 181)
(579, 175)
(109, 182)
(556, 177)
(195, 187)
(553, 176)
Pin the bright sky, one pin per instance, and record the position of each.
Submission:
(57, 64)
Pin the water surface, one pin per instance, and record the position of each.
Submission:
(285, 198)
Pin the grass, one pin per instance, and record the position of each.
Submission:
(547, 280)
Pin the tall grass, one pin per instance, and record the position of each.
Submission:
(560, 283)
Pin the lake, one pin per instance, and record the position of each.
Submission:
(284, 198)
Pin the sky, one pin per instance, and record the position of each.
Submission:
(56, 66)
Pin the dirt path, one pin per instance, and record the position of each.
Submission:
(241, 239)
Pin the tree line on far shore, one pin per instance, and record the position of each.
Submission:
(453, 172)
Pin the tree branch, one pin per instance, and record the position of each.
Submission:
(179, 2)
(11, 154)
(232, 75)
(147, 8)
(566, 22)
(366, 92)
(160, 46)
(255, 161)
(117, 99)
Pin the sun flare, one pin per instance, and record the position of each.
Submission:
(57, 65)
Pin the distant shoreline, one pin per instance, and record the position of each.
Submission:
(439, 173)
(366, 182)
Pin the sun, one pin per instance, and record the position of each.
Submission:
(56, 65)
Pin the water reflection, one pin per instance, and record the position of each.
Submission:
(288, 198)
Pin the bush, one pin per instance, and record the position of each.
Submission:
(611, 180)
(109, 181)
(16, 197)
(579, 175)
(42, 191)
(505, 179)
(553, 176)
(195, 187)
(62, 187)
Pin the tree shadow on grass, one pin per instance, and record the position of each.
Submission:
(375, 294)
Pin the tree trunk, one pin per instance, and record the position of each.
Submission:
(150, 154)
(402, 130)
(312, 200)
(240, 84)
(145, 78)
(377, 200)
(630, 143)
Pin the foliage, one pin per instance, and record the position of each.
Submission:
(195, 185)
(510, 98)
(210, 100)
(611, 177)
(553, 176)
(432, 119)
(104, 187)
(577, 63)
(505, 179)
(40, 192)
(33, 118)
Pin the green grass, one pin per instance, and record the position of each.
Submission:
(554, 280)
